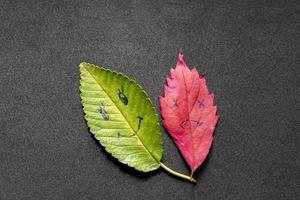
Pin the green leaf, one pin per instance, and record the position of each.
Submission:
(121, 116)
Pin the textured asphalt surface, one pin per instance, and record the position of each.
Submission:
(249, 51)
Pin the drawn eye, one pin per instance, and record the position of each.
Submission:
(103, 113)
(200, 103)
(122, 96)
(175, 103)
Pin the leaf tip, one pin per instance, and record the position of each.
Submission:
(180, 55)
(180, 61)
(82, 65)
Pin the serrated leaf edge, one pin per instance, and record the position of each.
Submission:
(147, 99)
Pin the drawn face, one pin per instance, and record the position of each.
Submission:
(103, 113)
(122, 96)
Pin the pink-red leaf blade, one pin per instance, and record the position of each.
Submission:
(189, 113)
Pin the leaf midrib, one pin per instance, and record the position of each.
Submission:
(188, 109)
(122, 115)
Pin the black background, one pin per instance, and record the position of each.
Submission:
(250, 50)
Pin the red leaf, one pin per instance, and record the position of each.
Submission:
(189, 113)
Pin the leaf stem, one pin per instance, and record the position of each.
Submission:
(188, 178)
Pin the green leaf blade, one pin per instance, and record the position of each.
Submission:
(121, 116)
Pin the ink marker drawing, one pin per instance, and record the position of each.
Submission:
(103, 113)
(122, 96)
(139, 122)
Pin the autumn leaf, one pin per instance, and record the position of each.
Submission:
(189, 113)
